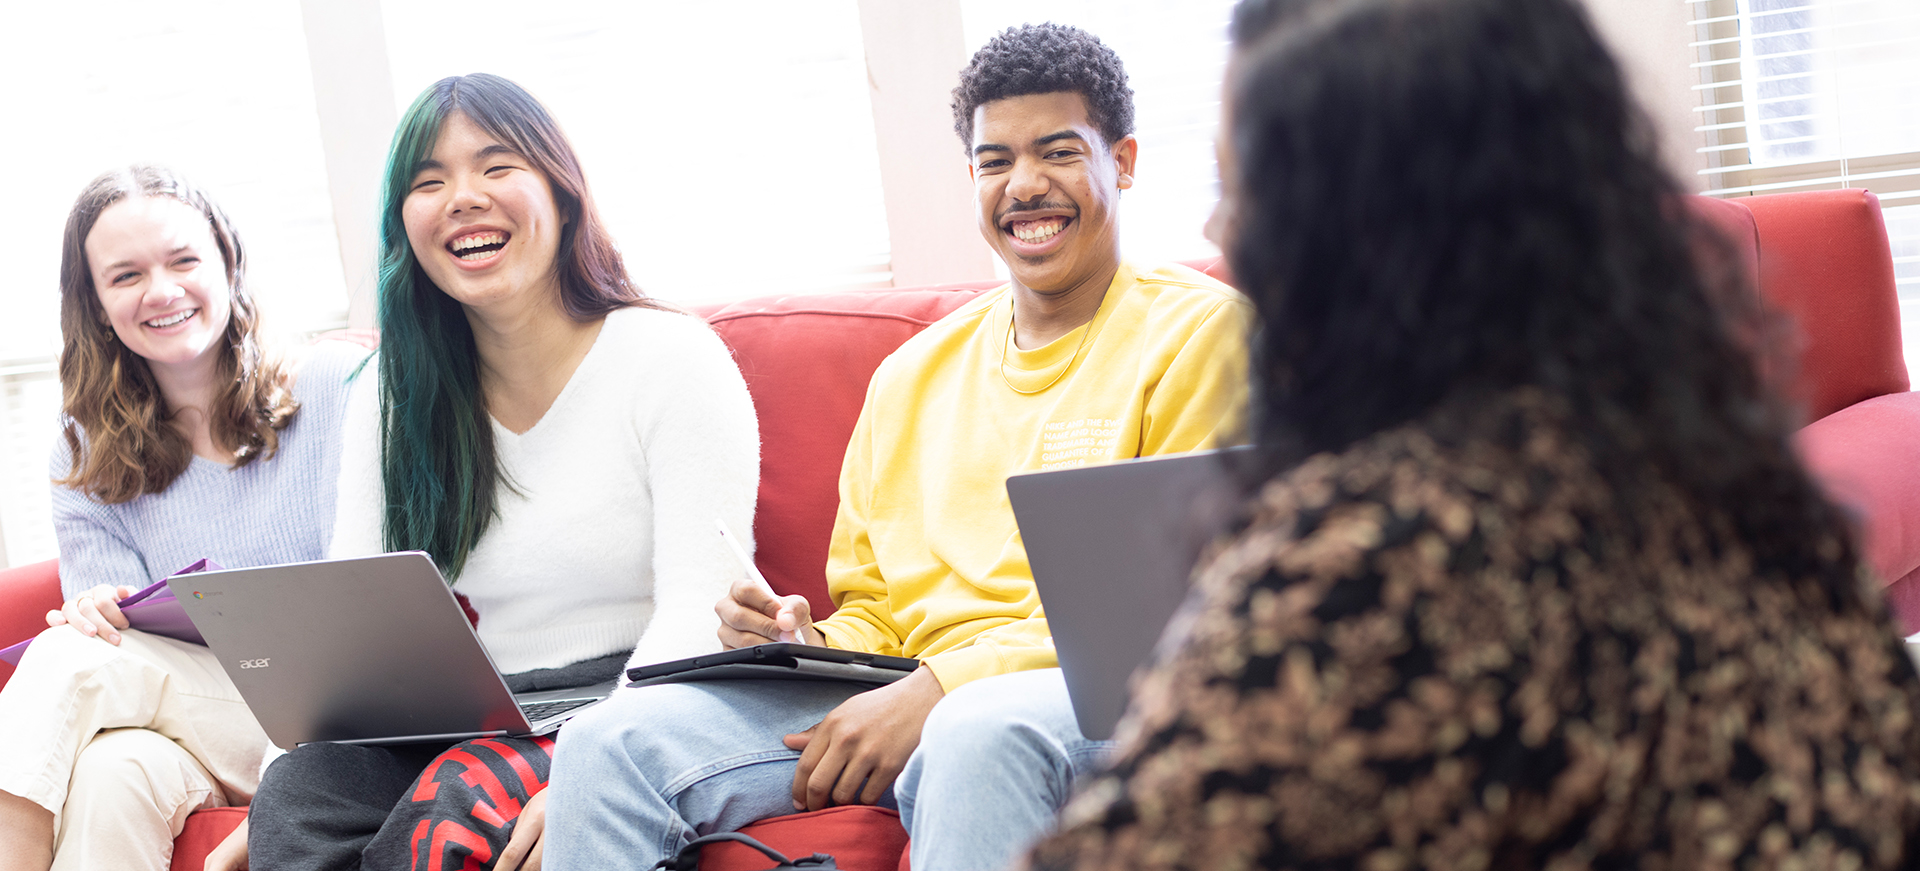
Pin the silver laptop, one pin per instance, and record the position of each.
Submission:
(374, 650)
(1111, 548)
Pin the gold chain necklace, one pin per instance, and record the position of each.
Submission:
(1063, 370)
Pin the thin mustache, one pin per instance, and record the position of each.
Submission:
(1041, 205)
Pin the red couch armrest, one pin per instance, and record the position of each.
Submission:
(27, 593)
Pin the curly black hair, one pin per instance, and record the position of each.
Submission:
(1435, 200)
(1043, 59)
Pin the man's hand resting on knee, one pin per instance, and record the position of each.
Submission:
(853, 756)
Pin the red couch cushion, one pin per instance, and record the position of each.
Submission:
(1825, 261)
(205, 830)
(807, 360)
(1867, 457)
(859, 838)
(27, 593)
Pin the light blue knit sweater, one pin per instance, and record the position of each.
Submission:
(277, 510)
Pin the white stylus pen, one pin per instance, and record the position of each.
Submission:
(753, 573)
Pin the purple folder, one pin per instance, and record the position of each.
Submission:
(153, 610)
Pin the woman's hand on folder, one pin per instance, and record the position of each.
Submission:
(752, 614)
(95, 612)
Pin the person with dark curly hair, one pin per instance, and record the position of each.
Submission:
(1529, 576)
(1082, 358)
(1047, 59)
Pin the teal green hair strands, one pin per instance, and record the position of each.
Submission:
(437, 461)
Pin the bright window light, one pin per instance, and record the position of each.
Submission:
(730, 145)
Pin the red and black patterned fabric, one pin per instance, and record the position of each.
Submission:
(462, 809)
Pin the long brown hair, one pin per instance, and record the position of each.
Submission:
(109, 393)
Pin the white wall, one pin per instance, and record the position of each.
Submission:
(913, 51)
(352, 89)
(1650, 37)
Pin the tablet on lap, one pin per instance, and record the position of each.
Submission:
(778, 661)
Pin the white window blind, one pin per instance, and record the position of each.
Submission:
(1175, 52)
(218, 89)
(29, 398)
(1803, 95)
(730, 146)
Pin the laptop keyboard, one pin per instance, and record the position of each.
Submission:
(537, 711)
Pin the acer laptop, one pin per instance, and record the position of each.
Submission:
(1111, 548)
(373, 650)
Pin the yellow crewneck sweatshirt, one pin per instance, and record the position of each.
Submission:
(926, 560)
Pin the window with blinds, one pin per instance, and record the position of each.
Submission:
(1818, 95)
(1175, 52)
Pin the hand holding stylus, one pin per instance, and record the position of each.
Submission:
(752, 613)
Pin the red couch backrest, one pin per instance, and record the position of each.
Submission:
(27, 593)
(1823, 260)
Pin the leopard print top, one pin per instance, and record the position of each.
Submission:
(1442, 649)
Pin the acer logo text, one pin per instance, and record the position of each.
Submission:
(253, 663)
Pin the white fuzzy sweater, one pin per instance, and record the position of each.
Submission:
(609, 542)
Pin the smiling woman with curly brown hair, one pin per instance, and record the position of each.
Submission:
(1529, 576)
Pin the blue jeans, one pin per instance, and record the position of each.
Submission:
(650, 769)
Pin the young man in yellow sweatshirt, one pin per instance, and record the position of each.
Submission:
(1081, 359)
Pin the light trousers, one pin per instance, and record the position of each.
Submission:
(644, 772)
(122, 742)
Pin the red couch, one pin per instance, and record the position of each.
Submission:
(1822, 257)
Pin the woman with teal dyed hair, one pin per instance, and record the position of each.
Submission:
(558, 442)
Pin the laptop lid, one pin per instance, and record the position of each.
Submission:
(374, 649)
(1111, 548)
